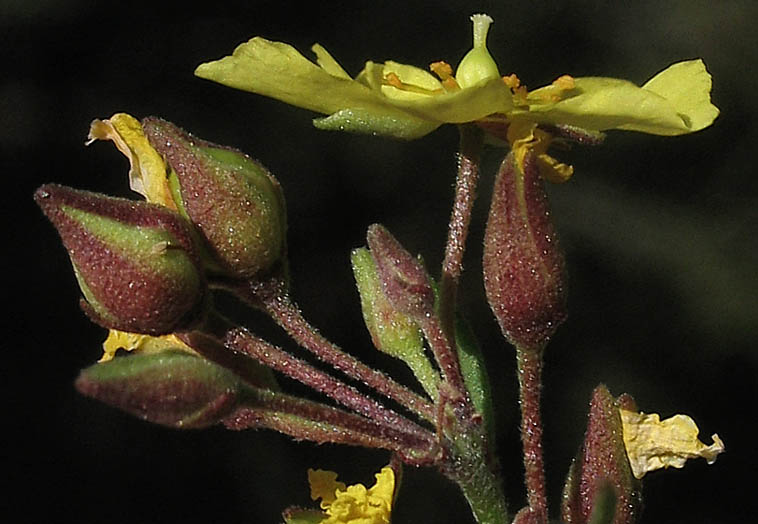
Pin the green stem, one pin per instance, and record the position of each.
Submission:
(471, 464)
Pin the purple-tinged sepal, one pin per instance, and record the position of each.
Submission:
(235, 203)
(524, 266)
(601, 477)
(405, 282)
(135, 262)
(172, 388)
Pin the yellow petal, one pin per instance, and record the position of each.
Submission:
(328, 63)
(278, 70)
(147, 172)
(687, 85)
(654, 444)
(140, 343)
(674, 102)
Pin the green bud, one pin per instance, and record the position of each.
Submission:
(600, 479)
(392, 332)
(524, 267)
(478, 65)
(172, 388)
(135, 262)
(237, 205)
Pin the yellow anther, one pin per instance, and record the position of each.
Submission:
(564, 82)
(512, 81)
(442, 69)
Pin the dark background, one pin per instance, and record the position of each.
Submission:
(659, 233)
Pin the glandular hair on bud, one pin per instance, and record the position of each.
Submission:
(235, 203)
(524, 266)
(136, 262)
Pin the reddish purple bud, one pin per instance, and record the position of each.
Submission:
(237, 205)
(172, 388)
(404, 279)
(135, 262)
(601, 474)
(524, 268)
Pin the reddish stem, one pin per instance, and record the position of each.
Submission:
(530, 385)
(465, 193)
(289, 317)
(278, 360)
(308, 420)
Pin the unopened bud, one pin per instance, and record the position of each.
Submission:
(601, 472)
(135, 262)
(171, 388)
(392, 332)
(524, 267)
(404, 279)
(237, 205)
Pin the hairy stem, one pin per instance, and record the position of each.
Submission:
(465, 193)
(245, 342)
(289, 317)
(530, 385)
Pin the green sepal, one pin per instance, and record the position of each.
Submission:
(392, 332)
(376, 124)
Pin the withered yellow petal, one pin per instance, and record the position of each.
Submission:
(652, 443)
(147, 172)
(140, 343)
(353, 504)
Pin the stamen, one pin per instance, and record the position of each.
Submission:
(394, 80)
(564, 83)
(519, 95)
(512, 81)
(442, 69)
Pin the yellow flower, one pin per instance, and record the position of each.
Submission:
(652, 443)
(404, 101)
(354, 504)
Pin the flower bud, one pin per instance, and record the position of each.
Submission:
(524, 267)
(602, 468)
(405, 282)
(135, 262)
(237, 205)
(172, 388)
(392, 332)
(477, 66)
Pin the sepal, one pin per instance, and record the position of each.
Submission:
(405, 282)
(237, 205)
(601, 473)
(524, 267)
(135, 262)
